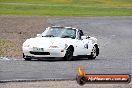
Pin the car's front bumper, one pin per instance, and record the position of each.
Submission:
(50, 52)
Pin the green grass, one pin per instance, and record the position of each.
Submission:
(66, 7)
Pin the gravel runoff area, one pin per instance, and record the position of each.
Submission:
(60, 84)
(14, 30)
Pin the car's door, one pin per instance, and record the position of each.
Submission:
(81, 45)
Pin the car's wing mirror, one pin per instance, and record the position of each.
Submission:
(88, 37)
(83, 37)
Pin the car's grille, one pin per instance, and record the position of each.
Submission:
(40, 53)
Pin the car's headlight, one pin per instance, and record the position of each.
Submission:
(26, 45)
(53, 47)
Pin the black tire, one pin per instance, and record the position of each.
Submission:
(26, 58)
(93, 53)
(69, 54)
(97, 49)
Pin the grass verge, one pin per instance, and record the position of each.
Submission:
(66, 7)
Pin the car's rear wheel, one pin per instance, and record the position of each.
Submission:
(69, 54)
(93, 53)
(27, 58)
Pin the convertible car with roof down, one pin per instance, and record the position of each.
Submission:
(60, 42)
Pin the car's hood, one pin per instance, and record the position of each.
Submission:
(47, 41)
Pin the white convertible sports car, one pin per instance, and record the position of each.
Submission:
(64, 42)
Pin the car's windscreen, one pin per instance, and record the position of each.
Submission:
(60, 32)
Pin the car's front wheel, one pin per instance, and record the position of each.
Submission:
(93, 53)
(69, 54)
(26, 58)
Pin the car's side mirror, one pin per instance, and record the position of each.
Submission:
(83, 37)
(38, 35)
(88, 37)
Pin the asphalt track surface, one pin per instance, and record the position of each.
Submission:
(114, 37)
